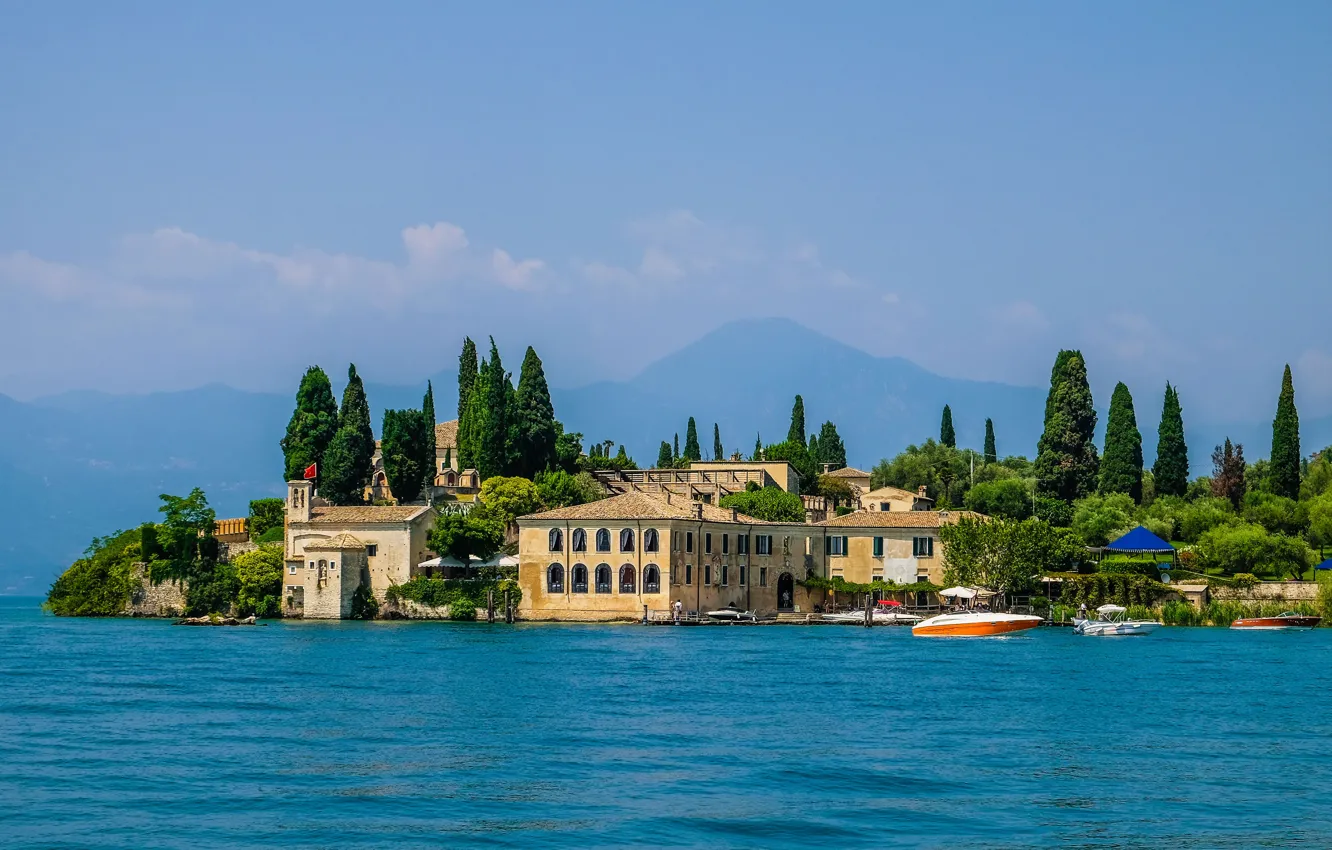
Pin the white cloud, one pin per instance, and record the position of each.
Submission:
(515, 275)
(659, 265)
(434, 246)
(30, 275)
(1022, 316)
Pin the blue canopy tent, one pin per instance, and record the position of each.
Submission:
(1326, 565)
(1140, 540)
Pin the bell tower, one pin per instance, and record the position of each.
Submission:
(299, 494)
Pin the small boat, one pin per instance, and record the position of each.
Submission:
(731, 614)
(1287, 621)
(974, 624)
(1113, 620)
(881, 616)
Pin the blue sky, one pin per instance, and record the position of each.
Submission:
(198, 192)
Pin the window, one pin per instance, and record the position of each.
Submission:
(651, 579)
(292, 569)
(922, 547)
(312, 565)
(878, 547)
(707, 573)
(332, 565)
(689, 573)
(763, 544)
(763, 576)
(744, 574)
(726, 544)
(555, 579)
(556, 540)
(675, 541)
(876, 577)
(603, 540)
(689, 541)
(578, 576)
(885, 506)
(651, 543)
(707, 543)
(579, 540)
(742, 544)
(725, 577)
(603, 578)
(837, 546)
(626, 540)
(372, 550)
(627, 578)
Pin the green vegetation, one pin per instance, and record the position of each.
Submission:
(461, 536)
(1006, 555)
(1245, 547)
(830, 448)
(947, 436)
(1121, 465)
(770, 504)
(692, 451)
(796, 433)
(403, 447)
(534, 431)
(350, 456)
(837, 584)
(559, 489)
(461, 596)
(1284, 478)
(467, 377)
(718, 453)
(312, 425)
(1066, 458)
(1004, 498)
(1228, 479)
(100, 583)
(364, 605)
(991, 453)
(1110, 588)
(259, 576)
(798, 456)
(265, 516)
(1170, 473)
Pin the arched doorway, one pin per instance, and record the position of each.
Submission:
(786, 592)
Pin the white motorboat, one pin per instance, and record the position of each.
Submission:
(1113, 620)
(974, 624)
(881, 617)
(731, 614)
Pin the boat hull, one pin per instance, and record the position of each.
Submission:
(975, 625)
(1094, 629)
(1276, 624)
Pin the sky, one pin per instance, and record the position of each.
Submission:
(230, 192)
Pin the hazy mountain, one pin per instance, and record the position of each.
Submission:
(84, 464)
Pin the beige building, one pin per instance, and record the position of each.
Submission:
(857, 478)
(887, 499)
(609, 560)
(331, 551)
(706, 481)
(449, 481)
(898, 546)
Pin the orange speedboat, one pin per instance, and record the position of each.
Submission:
(974, 624)
(1285, 622)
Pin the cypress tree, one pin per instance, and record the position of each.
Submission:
(402, 445)
(675, 450)
(692, 451)
(534, 419)
(1121, 465)
(831, 448)
(428, 452)
(1170, 473)
(1066, 459)
(312, 426)
(815, 454)
(490, 404)
(991, 453)
(467, 375)
(718, 453)
(796, 434)
(664, 458)
(947, 436)
(758, 447)
(349, 460)
(1284, 478)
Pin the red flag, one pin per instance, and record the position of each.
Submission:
(311, 471)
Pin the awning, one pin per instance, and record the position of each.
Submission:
(1111, 609)
(1326, 565)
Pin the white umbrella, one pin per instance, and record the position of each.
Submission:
(962, 592)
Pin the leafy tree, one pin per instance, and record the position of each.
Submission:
(490, 405)
(1005, 498)
(189, 553)
(1318, 477)
(991, 454)
(944, 472)
(467, 378)
(718, 453)
(770, 504)
(1202, 515)
(349, 460)
(1258, 476)
(312, 425)
(1005, 555)
(665, 460)
(1121, 465)
(460, 536)
(1171, 470)
(1277, 514)
(838, 490)
(692, 451)
(507, 498)
(947, 436)
(1066, 460)
(265, 514)
(259, 579)
(534, 419)
(100, 583)
(1099, 519)
(1320, 520)
(797, 455)
(559, 489)
(1057, 512)
(402, 448)
(832, 450)
(568, 448)
(1228, 473)
(1245, 547)
(796, 433)
(1285, 477)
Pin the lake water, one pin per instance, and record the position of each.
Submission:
(135, 733)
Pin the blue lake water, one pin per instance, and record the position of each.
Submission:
(136, 734)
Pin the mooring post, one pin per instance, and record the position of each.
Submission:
(645, 615)
(508, 608)
(490, 605)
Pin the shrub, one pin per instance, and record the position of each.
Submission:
(771, 504)
(272, 535)
(1277, 514)
(1202, 515)
(364, 606)
(461, 596)
(259, 574)
(99, 584)
(1006, 498)
(1096, 518)
(1141, 568)
(265, 515)
(1180, 613)
(1248, 548)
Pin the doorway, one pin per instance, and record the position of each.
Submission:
(786, 592)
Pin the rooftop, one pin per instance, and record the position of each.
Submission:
(638, 505)
(897, 519)
(366, 513)
(896, 491)
(848, 472)
(446, 435)
(334, 544)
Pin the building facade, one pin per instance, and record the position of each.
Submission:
(896, 546)
(887, 499)
(449, 481)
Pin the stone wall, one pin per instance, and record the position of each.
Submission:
(154, 600)
(228, 551)
(1269, 591)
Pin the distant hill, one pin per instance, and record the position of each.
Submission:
(83, 464)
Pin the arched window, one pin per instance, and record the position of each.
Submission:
(603, 578)
(603, 540)
(651, 543)
(578, 576)
(555, 579)
(627, 578)
(626, 540)
(651, 579)
(556, 540)
(579, 540)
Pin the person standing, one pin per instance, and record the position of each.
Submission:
(677, 608)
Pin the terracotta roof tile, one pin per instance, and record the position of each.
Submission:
(848, 472)
(897, 519)
(334, 544)
(638, 505)
(446, 435)
(366, 513)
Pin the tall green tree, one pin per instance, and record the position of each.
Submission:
(797, 454)
(1121, 465)
(490, 404)
(534, 419)
(675, 449)
(665, 460)
(692, 451)
(832, 450)
(1228, 473)
(349, 460)
(312, 426)
(1170, 473)
(402, 445)
(796, 433)
(758, 447)
(815, 452)
(1285, 469)
(718, 453)
(467, 376)
(1067, 461)
(947, 436)
(428, 455)
(991, 453)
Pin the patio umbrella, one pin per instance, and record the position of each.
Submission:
(960, 592)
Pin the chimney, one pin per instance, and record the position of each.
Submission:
(921, 491)
(668, 495)
(735, 514)
(698, 510)
(827, 467)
